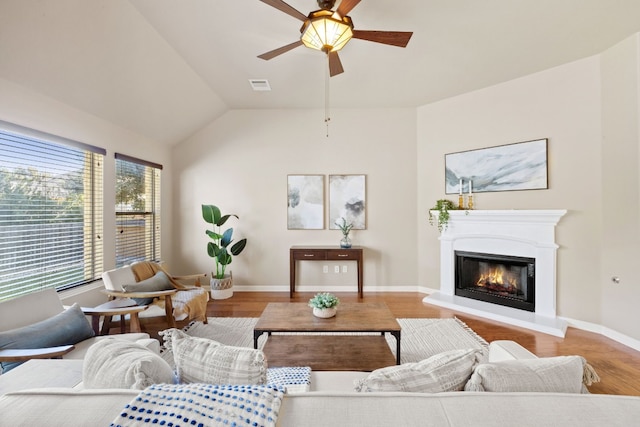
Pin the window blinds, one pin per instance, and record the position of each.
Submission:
(137, 210)
(50, 211)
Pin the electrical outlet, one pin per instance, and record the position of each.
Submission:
(344, 268)
(336, 269)
(325, 268)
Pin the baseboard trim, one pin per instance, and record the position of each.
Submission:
(604, 331)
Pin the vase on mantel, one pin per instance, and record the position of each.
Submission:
(345, 242)
(324, 313)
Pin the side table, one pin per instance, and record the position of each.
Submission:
(117, 307)
(323, 253)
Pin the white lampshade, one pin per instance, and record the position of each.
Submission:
(326, 31)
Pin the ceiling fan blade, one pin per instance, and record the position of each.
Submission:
(283, 7)
(335, 65)
(394, 38)
(279, 51)
(346, 6)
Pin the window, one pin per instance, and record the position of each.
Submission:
(137, 210)
(50, 211)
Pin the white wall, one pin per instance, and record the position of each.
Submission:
(241, 161)
(621, 186)
(561, 104)
(589, 110)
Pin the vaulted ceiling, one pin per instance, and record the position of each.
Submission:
(166, 68)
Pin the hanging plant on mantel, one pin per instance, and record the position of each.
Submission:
(443, 206)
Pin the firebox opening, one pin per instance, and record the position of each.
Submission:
(499, 279)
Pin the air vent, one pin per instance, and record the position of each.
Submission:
(260, 85)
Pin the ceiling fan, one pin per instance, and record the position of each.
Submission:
(329, 31)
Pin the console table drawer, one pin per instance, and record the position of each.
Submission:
(337, 254)
(310, 254)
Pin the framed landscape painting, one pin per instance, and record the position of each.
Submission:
(305, 202)
(519, 166)
(347, 199)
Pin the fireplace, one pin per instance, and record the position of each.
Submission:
(498, 279)
(525, 237)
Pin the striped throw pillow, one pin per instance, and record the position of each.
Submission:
(447, 371)
(201, 360)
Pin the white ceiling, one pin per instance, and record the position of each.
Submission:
(166, 68)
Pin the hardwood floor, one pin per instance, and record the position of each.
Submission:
(617, 364)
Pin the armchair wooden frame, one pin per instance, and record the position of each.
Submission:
(165, 295)
(116, 280)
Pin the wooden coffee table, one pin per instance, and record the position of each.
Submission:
(330, 351)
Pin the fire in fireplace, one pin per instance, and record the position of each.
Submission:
(499, 279)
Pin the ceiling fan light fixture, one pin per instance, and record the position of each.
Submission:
(326, 31)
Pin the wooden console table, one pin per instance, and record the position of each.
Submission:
(323, 253)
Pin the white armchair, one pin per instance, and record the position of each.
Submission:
(147, 280)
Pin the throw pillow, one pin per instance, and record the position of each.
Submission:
(158, 282)
(66, 328)
(207, 361)
(561, 374)
(447, 371)
(117, 363)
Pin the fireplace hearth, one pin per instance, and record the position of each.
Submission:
(498, 279)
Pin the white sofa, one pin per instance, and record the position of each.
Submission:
(331, 401)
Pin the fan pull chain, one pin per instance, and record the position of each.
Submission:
(327, 78)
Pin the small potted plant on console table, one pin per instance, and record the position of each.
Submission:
(345, 243)
(324, 305)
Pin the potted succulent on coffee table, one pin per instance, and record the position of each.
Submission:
(324, 305)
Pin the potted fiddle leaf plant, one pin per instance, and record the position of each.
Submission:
(221, 249)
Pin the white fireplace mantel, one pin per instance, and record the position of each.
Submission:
(523, 233)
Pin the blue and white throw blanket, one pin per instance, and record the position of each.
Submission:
(202, 405)
(295, 379)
